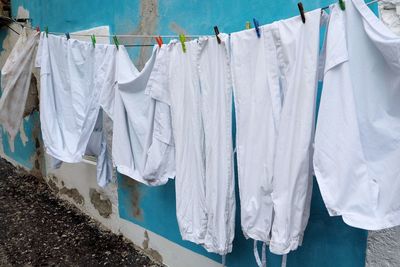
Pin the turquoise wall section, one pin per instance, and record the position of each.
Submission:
(328, 241)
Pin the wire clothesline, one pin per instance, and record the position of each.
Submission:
(150, 36)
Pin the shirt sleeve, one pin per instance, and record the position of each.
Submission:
(336, 40)
(158, 85)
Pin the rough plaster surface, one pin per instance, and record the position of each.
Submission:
(383, 247)
(147, 25)
(101, 203)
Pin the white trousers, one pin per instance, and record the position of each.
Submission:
(275, 81)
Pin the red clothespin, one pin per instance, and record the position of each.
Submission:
(159, 41)
(37, 28)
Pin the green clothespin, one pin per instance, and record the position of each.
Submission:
(93, 40)
(342, 5)
(46, 30)
(116, 42)
(182, 38)
(248, 25)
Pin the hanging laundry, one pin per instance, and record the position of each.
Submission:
(275, 80)
(357, 148)
(216, 100)
(97, 147)
(143, 147)
(16, 80)
(76, 80)
(195, 82)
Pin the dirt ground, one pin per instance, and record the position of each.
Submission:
(38, 229)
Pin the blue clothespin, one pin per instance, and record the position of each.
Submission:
(93, 40)
(46, 30)
(116, 42)
(67, 35)
(182, 38)
(342, 5)
(256, 26)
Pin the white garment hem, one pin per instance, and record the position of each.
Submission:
(256, 235)
(221, 251)
(354, 220)
(137, 177)
(285, 248)
(65, 158)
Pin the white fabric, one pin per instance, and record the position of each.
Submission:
(357, 148)
(97, 146)
(197, 86)
(16, 80)
(275, 80)
(74, 77)
(216, 99)
(143, 147)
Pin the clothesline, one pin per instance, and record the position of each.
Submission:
(149, 36)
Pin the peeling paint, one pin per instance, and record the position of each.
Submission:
(149, 251)
(72, 193)
(53, 186)
(176, 28)
(101, 204)
(52, 181)
(133, 187)
(149, 17)
(38, 159)
(22, 134)
(32, 101)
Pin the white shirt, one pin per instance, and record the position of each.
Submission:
(143, 147)
(357, 144)
(74, 76)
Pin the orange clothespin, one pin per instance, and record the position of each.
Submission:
(159, 41)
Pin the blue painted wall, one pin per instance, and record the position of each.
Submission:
(327, 242)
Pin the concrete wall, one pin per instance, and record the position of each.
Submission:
(147, 215)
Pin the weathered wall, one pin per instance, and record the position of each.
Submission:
(150, 212)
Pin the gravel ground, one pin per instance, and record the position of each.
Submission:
(38, 229)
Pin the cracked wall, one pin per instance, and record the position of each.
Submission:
(26, 149)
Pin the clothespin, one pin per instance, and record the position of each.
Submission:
(46, 29)
(159, 41)
(182, 38)
(93, 40)
(301, 10)
(342, 5)
(116, 42)
(248, 25)
(216, 34)
(256, 26)
(67, 35)
(37, 28)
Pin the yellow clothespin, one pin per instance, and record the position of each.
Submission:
(182, 38)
